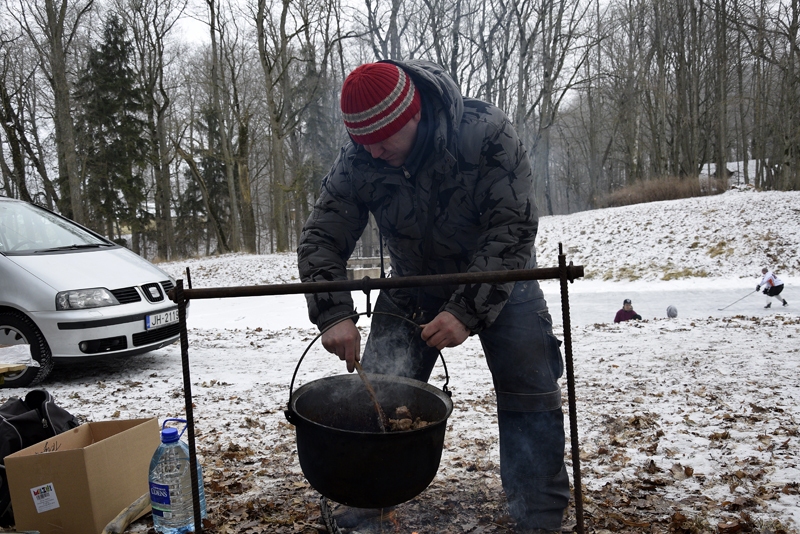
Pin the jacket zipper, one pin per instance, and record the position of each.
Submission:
(45, 422)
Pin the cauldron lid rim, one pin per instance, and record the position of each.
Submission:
(441, 395)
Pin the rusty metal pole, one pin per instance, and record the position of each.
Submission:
(187, 395)
(573, 418)
(368, 284)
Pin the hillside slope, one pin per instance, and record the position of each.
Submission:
(685, 424)
(732, 235)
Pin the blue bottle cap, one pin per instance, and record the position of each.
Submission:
(169, 435)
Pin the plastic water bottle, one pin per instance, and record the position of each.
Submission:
(171, 485)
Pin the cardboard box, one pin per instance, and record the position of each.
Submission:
(79, 480)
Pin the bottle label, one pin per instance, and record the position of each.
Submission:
(159, 494)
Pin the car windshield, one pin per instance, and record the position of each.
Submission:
(26, 229)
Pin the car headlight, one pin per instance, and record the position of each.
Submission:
(81, 299)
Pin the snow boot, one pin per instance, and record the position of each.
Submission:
(769, 305)
(785, 303)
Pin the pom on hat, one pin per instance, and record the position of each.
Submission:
(378, 99)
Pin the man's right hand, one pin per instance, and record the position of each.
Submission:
(344, 340)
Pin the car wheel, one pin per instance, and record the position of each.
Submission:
(18, 329)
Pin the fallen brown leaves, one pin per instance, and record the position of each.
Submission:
(684, 437)
(252, 491)
(463, 504)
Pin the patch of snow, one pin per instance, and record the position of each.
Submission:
(713, 392)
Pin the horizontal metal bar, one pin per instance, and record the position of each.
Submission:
(368, 284)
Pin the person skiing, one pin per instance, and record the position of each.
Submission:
(772, 287)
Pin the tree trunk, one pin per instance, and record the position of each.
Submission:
(541, 165)
(213, 217)
(721, 71)
(248, 215)
(744, 130)
(64, 128)
(791, 99)
(8, 118)
(165, 228)
(279, 194)
(219, 110)
(150, 21)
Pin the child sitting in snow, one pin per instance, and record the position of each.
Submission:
(626, 313)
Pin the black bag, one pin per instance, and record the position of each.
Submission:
(24, 423)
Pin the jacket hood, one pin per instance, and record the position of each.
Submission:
(435, 83)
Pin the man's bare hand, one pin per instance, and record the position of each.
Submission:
(444, 331)
(344, 340)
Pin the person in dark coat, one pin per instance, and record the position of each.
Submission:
(450, 186)
(627, 313)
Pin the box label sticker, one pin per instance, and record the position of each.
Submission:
(44, 497)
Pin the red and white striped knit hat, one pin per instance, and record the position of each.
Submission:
(378, 99)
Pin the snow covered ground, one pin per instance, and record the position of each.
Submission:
(685, 425)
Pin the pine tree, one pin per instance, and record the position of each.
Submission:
(111, 135)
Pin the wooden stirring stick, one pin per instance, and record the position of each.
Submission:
(382, 419)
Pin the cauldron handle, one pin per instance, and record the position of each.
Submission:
(288, 411)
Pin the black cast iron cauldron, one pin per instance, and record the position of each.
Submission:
(342, 451)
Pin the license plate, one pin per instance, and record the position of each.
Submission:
(160, 319)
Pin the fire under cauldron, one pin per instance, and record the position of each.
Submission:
(344, 454)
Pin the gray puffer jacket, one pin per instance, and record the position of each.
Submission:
(486, 219)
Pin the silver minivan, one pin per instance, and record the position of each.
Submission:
(73, 295)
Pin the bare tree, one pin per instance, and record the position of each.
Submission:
(288, 94)
(384, 26)
(9, 121)
(19, 115)
(214, 218)
(150, 22)
(590, 126)
(720, 62)
(51, 26)
(787, 59)
(239, 60)
(559, 67)
(219, 102)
